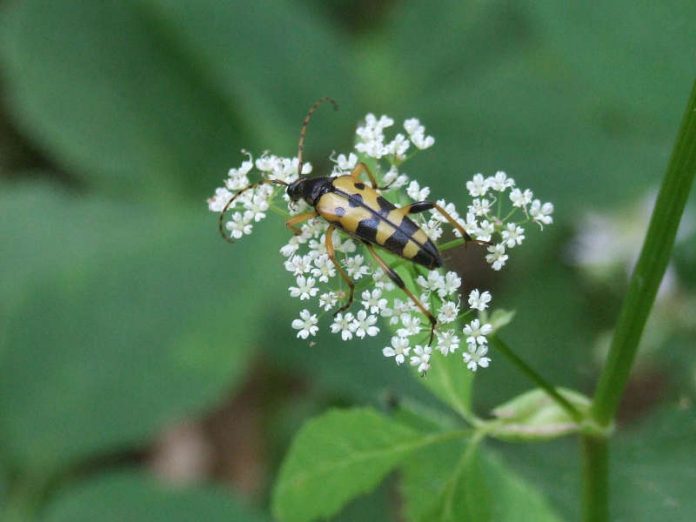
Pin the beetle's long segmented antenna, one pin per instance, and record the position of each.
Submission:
(221, 220)
(303, 131)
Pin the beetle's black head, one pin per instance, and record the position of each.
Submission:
(309, 189)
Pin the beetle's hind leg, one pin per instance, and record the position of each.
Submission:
(332, 256)
(400, 283)
(422, 206)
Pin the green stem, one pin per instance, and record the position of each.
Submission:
(595, 477)
(503, 348)
(645, 281)
(652, 263)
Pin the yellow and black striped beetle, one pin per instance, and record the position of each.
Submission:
(347, 203)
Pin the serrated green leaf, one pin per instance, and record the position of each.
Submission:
(116, 322)
(156, 97)
(458, 481)
(135, 497)
(336, 457)
(535, 416)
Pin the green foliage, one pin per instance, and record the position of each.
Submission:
(137, 498)
(335, 457)
(535, 416)
(457, 481)
(82, 370)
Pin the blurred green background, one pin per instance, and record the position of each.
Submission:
(138, 350)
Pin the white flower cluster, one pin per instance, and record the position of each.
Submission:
(252, 206)
(316, 279)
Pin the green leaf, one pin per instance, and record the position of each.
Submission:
(451, 382)
(457, 481)
(156, 97)
(135, 497)
(117, 322)
(336, 457)
(535, 416)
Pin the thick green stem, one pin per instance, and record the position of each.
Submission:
(595, 476)
(652, 263)
(645, 281)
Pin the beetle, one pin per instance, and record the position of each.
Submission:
(358, 209)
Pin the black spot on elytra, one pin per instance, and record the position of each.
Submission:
(360, 186)
(355, 200)
(340, 211)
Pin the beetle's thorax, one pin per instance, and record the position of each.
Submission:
(309, 189)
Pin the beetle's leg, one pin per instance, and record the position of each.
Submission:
(332, 256)
(422, 206)
(362, 167)
(400, 283)
(299, 218)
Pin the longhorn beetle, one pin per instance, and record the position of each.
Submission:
(359, 210)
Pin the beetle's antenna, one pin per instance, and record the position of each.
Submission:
(221, 220)
(303, 131)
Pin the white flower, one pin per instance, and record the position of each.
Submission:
(218, 201)
(413, 125)
(497, 256)
(258, 205)
(298, 265)
(399, 309)
(399, 349)
(346, 163)
(449, 285)
(306, 324)
(343, 323)
(393, 179)
(541, 213)
(305, 288)
(240, 224)
(512, 235)
(480, 207)
(416, 193)
(447, 342)
(434, 282)
(521, 199)
(416, 132)
(411, 326)
(448, 312)
(476, 332)
(485, 231)
(328, 300)
(323, 268)
(364, 324)
(500, 181)
(355, 267)
(421, 358)
(479, 300)
(478, 186)
(373, 301)
(433, 229)
(398, 146)
(475, 356)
